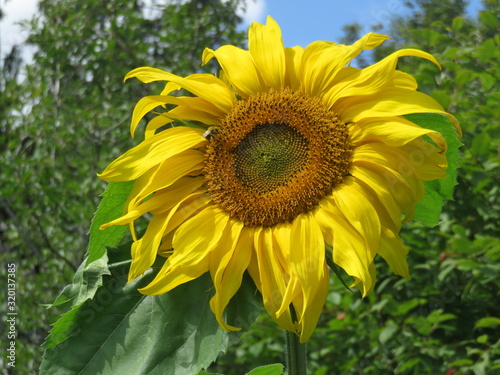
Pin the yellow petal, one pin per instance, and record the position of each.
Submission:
(323, 221)
(394, 252)
(393, 131)
(144, 250)
(161, 201)
(230, 265)
(292, 293)
(293, 59)
(312, 313)
(350, 198)
(378, 185)
(179, 113)
(187, 208)
(266, 47)
(373, 78)
(323, 60)
(169, 87)
(148, 103)
(239, 68)
(205, 86)
(152, 152)
(389, 103)
(398, 169)
(282, 237)
(193, 109)
(156, 123)
(307, 264)
(177, 192)
(193, 242)
(350, 250)
(308, 255)
(319, 65)
(167, 174)
(270, 276)
(396, 184)
(404, 81)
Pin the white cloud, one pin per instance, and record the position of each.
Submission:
(255, 11)
(11, 32)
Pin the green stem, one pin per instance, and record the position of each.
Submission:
(296, 355)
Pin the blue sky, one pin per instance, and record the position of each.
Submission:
(302, 22)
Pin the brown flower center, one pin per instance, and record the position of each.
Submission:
(274, 156)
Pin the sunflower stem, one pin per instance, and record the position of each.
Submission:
(295, 354)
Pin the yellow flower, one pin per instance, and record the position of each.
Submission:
(302, 150)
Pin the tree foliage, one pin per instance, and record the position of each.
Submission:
(64, 116)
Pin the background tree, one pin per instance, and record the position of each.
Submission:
(65, 118)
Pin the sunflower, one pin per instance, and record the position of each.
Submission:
(294, 152)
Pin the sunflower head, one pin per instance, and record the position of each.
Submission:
(274, 156)
(303, 151)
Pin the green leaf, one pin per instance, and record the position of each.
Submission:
(486, 51)
(276, 369)
(483, 339)
(457, 24)
(481, 144)
(488, 18)
(489, 322)
(387, 332)
(461, 362)
(428, 209)
(121, 331)
(110, 208)
(404, 307)
(407, 365)
(87, 279)
(487, 81)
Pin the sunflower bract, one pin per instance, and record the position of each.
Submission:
(303, 150)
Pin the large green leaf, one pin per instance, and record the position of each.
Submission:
(110, 208)
(87, 279)
(89, 275)
(428, 209)
(121, 331)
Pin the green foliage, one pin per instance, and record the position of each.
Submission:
(106, 334)
(64, 119)
(88, 277)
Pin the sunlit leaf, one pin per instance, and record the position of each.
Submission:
(488, 322)
(86, 280)
(110, 208)
(427, 211)
(457, 24)
(121, 331)
(387, 332)
(276, 369)
(88, 277)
